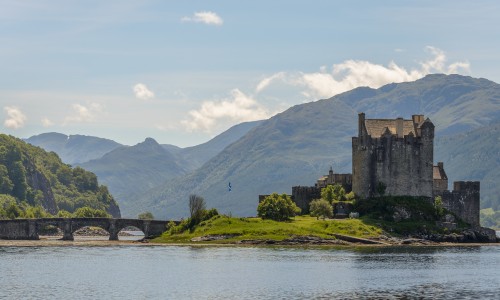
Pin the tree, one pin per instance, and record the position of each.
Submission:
(6, 184)
(321, 208)
(18, 176)
(332, 193)
(277, 207)
(13, 211)
(438, 206)
(145, 216)
(196, 207)
(63, 214)
(89, 212)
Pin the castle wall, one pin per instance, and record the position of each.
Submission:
(463, 201)
(303, 195)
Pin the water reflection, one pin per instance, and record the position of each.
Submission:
(122, 272)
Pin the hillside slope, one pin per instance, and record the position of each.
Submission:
(37, 177)
(135, 169)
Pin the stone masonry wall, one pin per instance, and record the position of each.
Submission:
(463, 201)
(403, 164)
(303, 195)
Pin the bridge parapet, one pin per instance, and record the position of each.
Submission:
(28, 229)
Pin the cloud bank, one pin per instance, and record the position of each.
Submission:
(206, 17)
(237, 108)
(142, 92)
(15, 117)
(355, 73)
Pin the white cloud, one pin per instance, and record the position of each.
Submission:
(235, 109)
(46, 122)
(268, 80)
(207, 17)
(142, 92)
(354, 73)
(83, 113)
(15, 117)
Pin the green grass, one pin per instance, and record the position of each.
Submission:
(258, 229)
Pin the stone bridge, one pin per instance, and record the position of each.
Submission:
(28, 229)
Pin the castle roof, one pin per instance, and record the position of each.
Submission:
(377, 127)
(438, 173)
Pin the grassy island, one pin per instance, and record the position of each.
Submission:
(238, 229)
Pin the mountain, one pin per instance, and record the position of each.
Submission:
(130, 170)
(73, 149)
(297, 146)
(196, 156)
(474, 155)
(31, 175)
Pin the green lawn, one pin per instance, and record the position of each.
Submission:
(256, 228)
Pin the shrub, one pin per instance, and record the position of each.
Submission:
(321, 208)
(145, 216)
(88, 212)
(438, 206)
(277, 207)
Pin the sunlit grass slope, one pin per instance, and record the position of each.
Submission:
(258, 229)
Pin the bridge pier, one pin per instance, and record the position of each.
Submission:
(113, 231)
(68, 230)
(145, 228)
(32, 230)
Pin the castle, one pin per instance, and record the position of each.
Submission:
(396, 155)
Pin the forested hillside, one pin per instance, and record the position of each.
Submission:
(31, 177)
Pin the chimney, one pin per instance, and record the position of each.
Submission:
(441, 165)
(361, 124)
(417, 119)
(399, 127)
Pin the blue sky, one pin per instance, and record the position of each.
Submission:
(182, 72)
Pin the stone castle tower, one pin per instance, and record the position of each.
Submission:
(397, 153)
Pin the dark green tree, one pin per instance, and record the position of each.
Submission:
(18, 177)
(6, 184)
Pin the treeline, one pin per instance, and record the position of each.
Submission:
(10, 209)
(34, 178)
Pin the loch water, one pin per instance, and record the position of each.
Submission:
(172, 272)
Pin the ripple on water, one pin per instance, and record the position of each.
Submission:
(121, 272)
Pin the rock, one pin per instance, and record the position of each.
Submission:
(215, 237)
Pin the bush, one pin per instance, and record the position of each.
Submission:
(145, 216)
(277, 207)
(321, 208)
(438, 205)
(88, 212)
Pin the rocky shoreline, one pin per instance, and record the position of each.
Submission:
(468, 236)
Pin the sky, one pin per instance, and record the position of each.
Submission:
(182, 72)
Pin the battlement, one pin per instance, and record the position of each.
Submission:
(463, 201)
(469, 186)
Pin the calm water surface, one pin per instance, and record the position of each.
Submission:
(134, 272)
